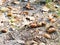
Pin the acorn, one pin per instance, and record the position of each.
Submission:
(33, 25)
(51, 29)
(46, 35)
(4, 31)
(53, 20)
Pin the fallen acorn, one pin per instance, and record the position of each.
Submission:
(51, 29)
(53, 20)
(33, 25)
(4, 31)
(46, 35)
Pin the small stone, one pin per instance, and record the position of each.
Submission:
(31, 43)
(30, 18)
(45, 9)
(2, 2)
(29, 7)
(3, 9)
(42, 43)
(24, 0)
(20, 41)
(41, 24)
(32, 1)
(55, 15)
(17, 2)
(17, 19)
(50, 17)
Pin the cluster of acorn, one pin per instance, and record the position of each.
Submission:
(49, 30)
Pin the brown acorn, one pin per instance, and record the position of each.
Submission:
(52, 20)
(33, 25)
(4, 31)
(51, 29)
(46, 35)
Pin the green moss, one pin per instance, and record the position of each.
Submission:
(47, 1)
(58, 13)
